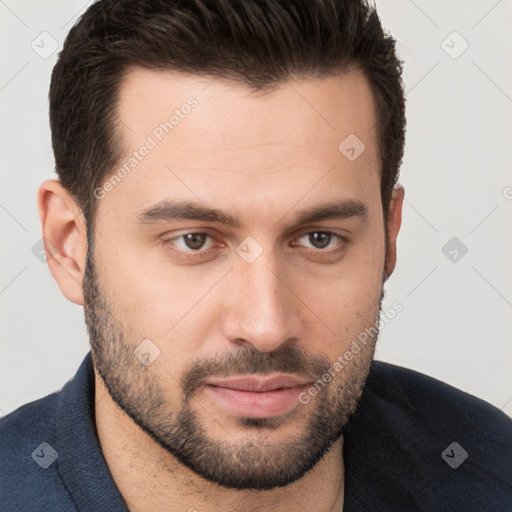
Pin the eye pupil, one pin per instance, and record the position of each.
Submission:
(320, 239)
(195, 240)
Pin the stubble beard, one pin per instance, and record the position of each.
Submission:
(254, 463)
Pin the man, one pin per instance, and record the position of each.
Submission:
(227, 213)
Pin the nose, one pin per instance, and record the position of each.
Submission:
(263, 310)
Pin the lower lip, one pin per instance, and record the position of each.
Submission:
(252, 404)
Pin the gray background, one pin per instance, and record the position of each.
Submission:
(456, 322)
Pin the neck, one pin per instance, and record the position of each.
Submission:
(150, 478)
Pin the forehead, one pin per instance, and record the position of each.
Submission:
(335, 104)
(213, 137)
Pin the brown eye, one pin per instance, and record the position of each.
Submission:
(195, 240)
(192, 242)
(320, 239)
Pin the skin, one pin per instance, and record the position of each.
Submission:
(261, 157)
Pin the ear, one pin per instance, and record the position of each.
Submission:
(394, 222)
(65, 238)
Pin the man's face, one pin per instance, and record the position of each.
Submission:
(212, 303)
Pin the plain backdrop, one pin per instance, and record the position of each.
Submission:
(454, 270)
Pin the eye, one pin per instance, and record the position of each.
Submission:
(196, 244)
(321, 239)
(191, 242)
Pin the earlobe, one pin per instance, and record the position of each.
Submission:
(394, 223)
(65, 238)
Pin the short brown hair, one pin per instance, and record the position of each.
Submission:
(259, 43)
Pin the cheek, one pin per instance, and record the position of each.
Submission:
(344, 301)
(152, 299)
(343, 308)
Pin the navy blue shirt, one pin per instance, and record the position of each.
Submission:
(414, 443)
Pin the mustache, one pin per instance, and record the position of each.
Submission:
(284, 359)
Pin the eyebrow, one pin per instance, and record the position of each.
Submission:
(167, 210)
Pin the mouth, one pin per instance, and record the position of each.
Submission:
(257, 397)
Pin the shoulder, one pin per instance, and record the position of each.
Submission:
(24, 429)
(429, 400)
(29, 479)
(26, 420)
(445, 447)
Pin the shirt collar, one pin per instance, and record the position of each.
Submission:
(82, 467)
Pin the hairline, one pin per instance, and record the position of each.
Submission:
(117, 140)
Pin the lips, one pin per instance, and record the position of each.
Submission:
(256, 397)
(258, 384)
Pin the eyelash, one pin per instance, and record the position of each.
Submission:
(191, 254)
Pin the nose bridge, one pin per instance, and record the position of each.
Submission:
(262, 313)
